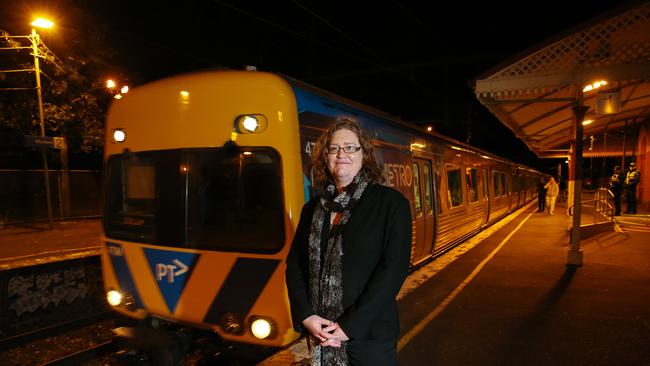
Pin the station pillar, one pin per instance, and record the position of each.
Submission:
(574, 257)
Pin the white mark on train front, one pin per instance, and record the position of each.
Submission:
(170, 271)
(115, 251)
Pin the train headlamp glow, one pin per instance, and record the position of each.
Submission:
(261, 328)
(119, 135)
(250, 123)
(114, 298)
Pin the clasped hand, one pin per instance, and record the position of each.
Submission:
(328, 332)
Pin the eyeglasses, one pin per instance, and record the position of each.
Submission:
(349, 149)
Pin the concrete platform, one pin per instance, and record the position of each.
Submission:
(34, 244)
(507, 297)
(514, 301)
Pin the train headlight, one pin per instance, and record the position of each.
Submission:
(231, 323)
(262, 328)
(119, 135)
(129, 302)
(250, 123)
(114, 297)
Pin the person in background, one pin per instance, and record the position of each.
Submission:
(541, 195)
(552, 190)
(350, 255)
(616, 186)
(631, 180)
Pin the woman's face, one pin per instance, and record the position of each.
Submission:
(343, 166)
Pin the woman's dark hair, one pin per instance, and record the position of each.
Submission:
(369, 165)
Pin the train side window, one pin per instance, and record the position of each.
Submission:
(471, 179)
(416, 190)
(454, 187)
(500, 184)
(427, 187)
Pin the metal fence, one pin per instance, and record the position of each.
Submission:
(74, 194)
(600, 206)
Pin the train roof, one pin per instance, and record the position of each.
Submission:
(332, 97)
(347, 104)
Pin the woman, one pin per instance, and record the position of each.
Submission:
(552, 191)
(350, 255)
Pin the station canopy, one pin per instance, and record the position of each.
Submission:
(534, 93)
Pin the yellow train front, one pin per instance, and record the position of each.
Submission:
(203, 190)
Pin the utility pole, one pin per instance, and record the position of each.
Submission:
(37, 71)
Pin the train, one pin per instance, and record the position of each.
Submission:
(205, 177)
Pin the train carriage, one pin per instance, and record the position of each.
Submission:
(206, 174)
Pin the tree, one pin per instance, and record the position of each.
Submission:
(74, 97)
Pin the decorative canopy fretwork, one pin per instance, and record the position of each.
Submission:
(534, 93)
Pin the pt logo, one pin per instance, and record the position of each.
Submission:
(170, 271)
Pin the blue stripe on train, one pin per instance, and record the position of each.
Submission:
(383, 128)
(122, 271)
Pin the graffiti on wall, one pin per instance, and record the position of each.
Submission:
(37, 292)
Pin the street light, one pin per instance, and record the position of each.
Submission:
(110, 84)
(35, 40)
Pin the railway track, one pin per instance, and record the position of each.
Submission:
(84, 343)
(93, 353)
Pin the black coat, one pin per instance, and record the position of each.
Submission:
(377, 250)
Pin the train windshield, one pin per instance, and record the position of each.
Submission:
(223, 199)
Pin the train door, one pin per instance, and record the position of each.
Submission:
(486, 193)
(515, 191)
(423, 193)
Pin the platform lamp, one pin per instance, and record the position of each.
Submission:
(36, 40)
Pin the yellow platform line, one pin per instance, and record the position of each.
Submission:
(423, 323)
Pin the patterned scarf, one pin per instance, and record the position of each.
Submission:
(325, 279)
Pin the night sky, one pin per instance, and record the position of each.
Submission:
(414, 59)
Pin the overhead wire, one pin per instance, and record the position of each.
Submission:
(275, 25)
(339, 31)
(408, 76)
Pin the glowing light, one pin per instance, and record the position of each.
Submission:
(124, 90)
(110, 84)
(113, 297)
(587, 122)
(261, 328)
(184, 96)
(594, 85)
(119, 135)
(118, 96)
(42, 23)
(429, 128)
(250, 123)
